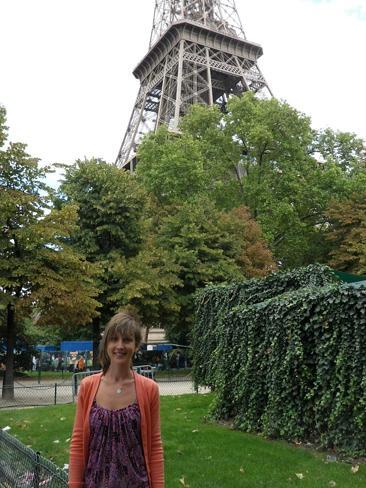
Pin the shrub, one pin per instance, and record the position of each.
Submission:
(292, 365)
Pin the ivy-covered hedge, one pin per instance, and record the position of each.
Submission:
(291, 366)
(214, 302)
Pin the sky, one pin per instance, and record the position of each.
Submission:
(66, 67)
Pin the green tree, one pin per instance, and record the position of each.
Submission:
(209, 246)
(110, 207)
(40, 274)
(265, 155)
(268, 143)
(171, 166)
(150, 285)
(347, 232)
(345, 149)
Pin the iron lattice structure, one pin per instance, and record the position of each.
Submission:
(198, 53)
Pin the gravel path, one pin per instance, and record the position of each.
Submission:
(30, 393)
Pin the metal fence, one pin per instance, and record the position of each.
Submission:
(30, 393)
(21, 467)
(145, 370)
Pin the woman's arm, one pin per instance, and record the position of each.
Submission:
(157, 459)
(76, 463)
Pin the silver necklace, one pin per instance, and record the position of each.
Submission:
(118, 391)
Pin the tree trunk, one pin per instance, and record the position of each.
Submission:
(96, 340)
(8, 382)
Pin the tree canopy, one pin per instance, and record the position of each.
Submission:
(265, 155)
(41, 275)
(347, 232)
(230, 196)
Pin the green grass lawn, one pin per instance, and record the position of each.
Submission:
(198, 454)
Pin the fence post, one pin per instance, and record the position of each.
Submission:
(75, 386)
(36, 472)
(55, 393)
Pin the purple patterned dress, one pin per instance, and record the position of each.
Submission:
(116, 458)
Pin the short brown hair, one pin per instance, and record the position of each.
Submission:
(123, 324)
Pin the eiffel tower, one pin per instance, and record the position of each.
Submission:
(198, 53)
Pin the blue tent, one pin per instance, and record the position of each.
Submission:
(70, 346)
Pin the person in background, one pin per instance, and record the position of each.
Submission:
(116, 440)
(81, 364)
(177, 359)
(60, 364)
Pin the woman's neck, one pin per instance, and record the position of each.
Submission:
(116, 374)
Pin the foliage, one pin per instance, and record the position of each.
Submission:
(214, 302)
(149, 283)
(262, 154)
(209, 246)
(3, 128)
(170, 166)
(257, 155)
(347, 232)
(109, 208)
(41, 276)
(39, 272)
(291, 365)
(344, 149)
(254, 258)
(109, 204)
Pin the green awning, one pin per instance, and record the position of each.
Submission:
(348, 277)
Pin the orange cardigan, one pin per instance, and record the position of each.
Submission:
(147, 393)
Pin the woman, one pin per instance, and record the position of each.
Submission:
(116, 440)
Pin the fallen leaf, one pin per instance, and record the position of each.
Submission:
(355, 468)
(68, 439)
(332, 483)
(56, 441)
(182, 481)
(195, 430)
(300, 476)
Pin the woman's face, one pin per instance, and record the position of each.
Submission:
(121, 349)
